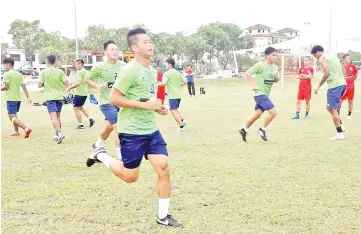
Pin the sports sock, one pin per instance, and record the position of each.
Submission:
(263, 128)
(339, 129)
(245, 128)
(105, 159)
(349, 113)
(306, 112)
(90, 117)
(100, 142)
(163, 207)
(297, 113)
(119, 153)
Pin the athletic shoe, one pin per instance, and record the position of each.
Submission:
(338, 136)
(184, 122)
(306, 116)
(55, 138)
(80, 127)
(244, 134)
(15, 134)
(296, 117)
(181, 129)
(349, 117)
(91, 122)
(169, 221)
(343, 128)
(262, 134)
(60, 139)
(93, 157)
(27, 132)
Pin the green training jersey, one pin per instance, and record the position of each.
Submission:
(107, 74)
(173, 80)
(336, 77)
(264, 76)
(137, 83)
(82, 89)
(52, 79)
(14, 80)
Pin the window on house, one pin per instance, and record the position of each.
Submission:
(269, 30)
(99, 58)
(250, 31)
(16, 57)
(263, 30)
(291, 34)
(259, 30)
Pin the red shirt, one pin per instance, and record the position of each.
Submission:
(189, 72)
(351, 74)
(159, 77)
(305, 84)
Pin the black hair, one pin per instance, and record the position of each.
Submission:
(105, 45)
(51, 59)
(316, 49)
(345, 56)
(171, 62)
(9, 61)
(132, 35)
(79, 60)
(269, 50)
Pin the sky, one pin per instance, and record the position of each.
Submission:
(187, 15)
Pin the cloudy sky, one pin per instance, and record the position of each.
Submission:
(186, 15)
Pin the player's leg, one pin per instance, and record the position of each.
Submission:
(267, 105)
(174, 105)
(333, 105)
(189, 88)
(350, 102)
(86, 114)
(54, 113)
(193, 90)
(105, 133)
(256, 115)
(77, 103)
(298, 108)
(18, 123)
(308, 107)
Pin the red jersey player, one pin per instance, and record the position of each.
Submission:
(161, 89)
(305, 74)
(350, 72)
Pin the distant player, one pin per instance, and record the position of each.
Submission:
(305, 74)
(81, 94)
(336, 86)
(134, 92)
(161, 89)
(13, 80)
(53, 80)
(107, 73)
(190, 82)
(174, 81)
(262, 76)
(350, 72)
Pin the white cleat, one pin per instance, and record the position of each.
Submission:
(343, 128)
(349, 117)
(181, 129)
(338, 136)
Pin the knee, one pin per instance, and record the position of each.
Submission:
(274, 113)
(163, 169)
(109, 128)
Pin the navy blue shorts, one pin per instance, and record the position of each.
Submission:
(79, 101)
(13, 107)
(334, 97)
(54, 105)
(134, 147)
(174, 103)
(263, 103)
(110, 112)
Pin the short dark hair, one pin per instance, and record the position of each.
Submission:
(51, 59)
(269, 50)
(345, 56)
(171, 62)
(9, 61)
(316, 49)
(79, 60)
(105, 45)
(132, 35)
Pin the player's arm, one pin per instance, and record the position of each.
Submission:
(5, 87)
(355, 72)
(26, 92)
(253, 70)
(164, 80)
(120, 88)
(93, 74)
(326, 73)
(299, 75)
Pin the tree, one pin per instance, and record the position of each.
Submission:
(355, 56)
(95, 37)
(26, 35)
(195, 49)
(4, 48)
(225, 59)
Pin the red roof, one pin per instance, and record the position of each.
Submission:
(286, 30)
(259, 26)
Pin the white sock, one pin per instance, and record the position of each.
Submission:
(163, 207)
(81, 124)
(26, 128)
(119, 153)
(100, 142)
(105, 159)
(59, 134)
(90, 117)
(245, 128)
(263, 128)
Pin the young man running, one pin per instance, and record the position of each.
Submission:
(305, 74)
(134, 92)
(12, 82)
(81, 94)
(265, 74)
(53, 81)
(174, 81)
(333, 74)
(107, 73)
(161, 89)
(350, 72)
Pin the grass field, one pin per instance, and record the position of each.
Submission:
(297, 182)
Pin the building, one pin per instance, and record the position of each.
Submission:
(263, 35)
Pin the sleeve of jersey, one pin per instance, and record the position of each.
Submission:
(6, 77)
(165, 78)
(94, 72)
(125, 80)
(312, 71)
(255, 68)
(299, 71)
(355, 71)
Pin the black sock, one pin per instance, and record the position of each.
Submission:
(306, 112)
(349, 113)
(340, 121)
(339, 129)
(297, 113)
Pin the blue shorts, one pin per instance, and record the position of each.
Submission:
(54, 105)
(334, 97)
(79, 101)
(134, 147)
(174, 103)
(13, 107)
(263, 103)
(110, 112)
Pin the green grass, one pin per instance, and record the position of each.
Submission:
(297, 182)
